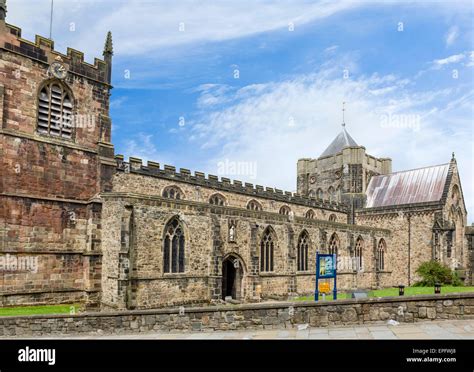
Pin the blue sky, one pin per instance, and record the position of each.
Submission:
(404, 68)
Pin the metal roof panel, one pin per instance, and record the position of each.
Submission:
(407, 187)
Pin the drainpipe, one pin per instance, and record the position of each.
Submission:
(409, 249)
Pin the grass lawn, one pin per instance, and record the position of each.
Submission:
(387, 292)
(37, 310)
(410, 291)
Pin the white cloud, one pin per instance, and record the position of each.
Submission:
(471, 59)
(140, 27)
(438, 63)
(331, 49)
(452, 35)
(142, 147)
(212, 95)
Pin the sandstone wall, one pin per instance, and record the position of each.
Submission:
(133, 275)
(47, 182)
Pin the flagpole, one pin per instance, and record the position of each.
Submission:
(51, 21)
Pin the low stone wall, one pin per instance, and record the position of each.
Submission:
(251, 316)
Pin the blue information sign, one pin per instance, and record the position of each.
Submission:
(326, 268)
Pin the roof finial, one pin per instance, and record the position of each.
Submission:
(343, 109)
(3, 9)
(109, 48)
(453, 157)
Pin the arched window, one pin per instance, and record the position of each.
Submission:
(173, 248)
(449, 242)
(310, 214)
(267, 246)
(319, 194)
(332, 194)
(332, 218)
(303, 248)
(359, 247)
(173, 192)
(381, 255)
(312, 194)
(334, 244)
(254, 205)
(285, 210)
(55, 109)
(217, 199)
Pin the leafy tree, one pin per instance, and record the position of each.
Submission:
(433, 272)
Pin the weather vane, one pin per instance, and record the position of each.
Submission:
(343, 109)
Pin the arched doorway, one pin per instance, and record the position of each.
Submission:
(232, 275)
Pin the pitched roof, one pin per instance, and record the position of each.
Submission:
(421, 185)
(342, 140)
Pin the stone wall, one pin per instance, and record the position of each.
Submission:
(410, 243)
(133, 275)
(48, 213)
(153, 180)
(252, 316)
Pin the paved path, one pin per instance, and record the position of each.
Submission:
(448, 329)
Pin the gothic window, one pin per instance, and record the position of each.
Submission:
(332, 194)
(334, 244)
(312, 194)
(436, 245)
(381, 255)
(173, 192)
(217, 199)
(254, 205)
(303, 248)
(310, 214)
(319, 194)
(285, 210)
(173, 250)
(55, 109)
(358, 253)
(449, 244)
(267, 246)
(332, 218)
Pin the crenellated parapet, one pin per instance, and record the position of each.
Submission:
(42, 51)
(153, 169)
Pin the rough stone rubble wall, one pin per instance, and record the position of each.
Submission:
(253, 316)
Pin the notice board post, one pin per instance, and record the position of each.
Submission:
(326, 268)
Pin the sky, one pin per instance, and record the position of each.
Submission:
(243, 89)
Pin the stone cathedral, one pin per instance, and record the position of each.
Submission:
(79, 223)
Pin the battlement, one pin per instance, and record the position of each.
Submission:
(42, 50)
(153, 169)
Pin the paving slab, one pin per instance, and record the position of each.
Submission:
(383, 335)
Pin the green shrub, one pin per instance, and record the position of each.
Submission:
(433, 272)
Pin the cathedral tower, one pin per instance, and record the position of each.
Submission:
(341, 173)
(56, 157)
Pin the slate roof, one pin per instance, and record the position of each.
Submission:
(342, 140)
(421, 185)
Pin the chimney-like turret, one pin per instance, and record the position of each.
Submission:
(108, 53)
(3, 10)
